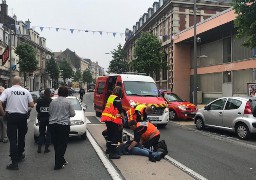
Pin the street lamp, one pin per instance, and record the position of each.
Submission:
(195, 58)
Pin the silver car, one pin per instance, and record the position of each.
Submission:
(229, 113)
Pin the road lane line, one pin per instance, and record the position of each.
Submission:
(110, 168)
(178, 164)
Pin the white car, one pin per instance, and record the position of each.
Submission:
(78, 122)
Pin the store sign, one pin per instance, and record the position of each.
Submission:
(5, 55)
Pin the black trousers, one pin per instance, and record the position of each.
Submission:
(16, 131)
(45, 135)
(152, 142)
(59, 135)
(113, 135)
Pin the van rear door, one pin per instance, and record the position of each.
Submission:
(100, 94)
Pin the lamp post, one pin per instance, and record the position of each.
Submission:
(195, 58)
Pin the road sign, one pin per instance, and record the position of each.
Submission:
(5, 55)
(14, 67)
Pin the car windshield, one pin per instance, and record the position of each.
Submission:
(75, 103)
(172, 98)
(138, 88)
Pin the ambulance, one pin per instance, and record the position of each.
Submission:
(141, 89)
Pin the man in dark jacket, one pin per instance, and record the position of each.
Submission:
(81, 92)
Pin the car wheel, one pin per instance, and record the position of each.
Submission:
(98, 114)
(84, 137)
(199, 123)
(35, 139)
(172, 115)
(242, 131)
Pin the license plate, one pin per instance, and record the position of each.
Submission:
(154, 118)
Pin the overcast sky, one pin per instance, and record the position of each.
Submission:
(94, 15)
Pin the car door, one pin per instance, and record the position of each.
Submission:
(213, 114)
(232, 111)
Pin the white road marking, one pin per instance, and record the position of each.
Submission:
(174, 162)
(110, 168)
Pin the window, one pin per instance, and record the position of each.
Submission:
(139, 88)
(226, 76)
(218, 105)
(100, 88)
(233, 104)
(227, 50)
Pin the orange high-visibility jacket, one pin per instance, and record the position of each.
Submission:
(131, 114)
(110, 113)
(141, 108)
(151, 131)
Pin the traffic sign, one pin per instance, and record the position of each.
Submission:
(5, 55)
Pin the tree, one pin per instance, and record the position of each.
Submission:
(118, 64)
(246, 21)
(77, 76)
(87, 76)
(27, 59)
(66, 70)
(149, 55)
(52, 69)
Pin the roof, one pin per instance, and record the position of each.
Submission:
(134, 77)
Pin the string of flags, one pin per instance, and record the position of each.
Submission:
(72, 30)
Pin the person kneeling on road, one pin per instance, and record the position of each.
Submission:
(145, 133)
(142, 111)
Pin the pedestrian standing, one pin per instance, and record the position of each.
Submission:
(81, 92)
(42, 109)
(18, 100)
(60, 111)
(3, 123)
(112, 116)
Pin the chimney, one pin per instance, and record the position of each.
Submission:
(4, 8)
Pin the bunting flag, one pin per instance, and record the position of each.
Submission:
(72, 30)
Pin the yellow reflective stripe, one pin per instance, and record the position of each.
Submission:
(111, 98)
(108, 115)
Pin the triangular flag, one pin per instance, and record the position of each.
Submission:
(41, 28)
(72, 30)
(100, 32)
(57, 29)
(114, 34)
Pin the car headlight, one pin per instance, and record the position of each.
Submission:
(76, 122)
(166, 110)
(183, 108)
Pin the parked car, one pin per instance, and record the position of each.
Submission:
(76, 90)
(78, 122)
(229, 113)
(178, 108)
(35, 95)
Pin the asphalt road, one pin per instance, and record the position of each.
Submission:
(212, 154)
(83, 161)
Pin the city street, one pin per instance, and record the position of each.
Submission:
(211, 154)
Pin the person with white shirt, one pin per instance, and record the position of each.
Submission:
(3, 124)
(18, 100)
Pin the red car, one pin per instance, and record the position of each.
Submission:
(178, 108)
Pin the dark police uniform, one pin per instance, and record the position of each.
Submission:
(17, 99)
(42, 109)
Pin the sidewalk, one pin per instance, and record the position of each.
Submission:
(139, 167)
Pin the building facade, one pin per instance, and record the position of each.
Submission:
(224, 66)
(165, 19)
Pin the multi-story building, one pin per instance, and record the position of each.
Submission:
(12, 33)
(165, 19)
(224, 66)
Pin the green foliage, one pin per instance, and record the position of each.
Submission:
(27, 58)
(66, 70)
(77, 76)
(87, 76)
(149, 55)
(246, 21)
(118, 64)
(52, 69)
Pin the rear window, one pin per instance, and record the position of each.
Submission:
(233, 104)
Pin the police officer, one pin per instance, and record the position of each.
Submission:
(18, 100)
(42, 109)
